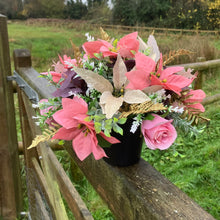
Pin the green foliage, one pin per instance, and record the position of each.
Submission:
(124, 12)
(75, 10)
(106, 125)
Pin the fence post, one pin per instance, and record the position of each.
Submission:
(10, 183)
(200, 78)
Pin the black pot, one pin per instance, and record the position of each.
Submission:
(127, 152)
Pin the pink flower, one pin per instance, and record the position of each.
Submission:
(192, 101)
(75, 128)
(168, 78)
(125, 47)
(144, 75)
(50, 121)
(158, 133)
(55, 76)
(140, 77)
(67, 62)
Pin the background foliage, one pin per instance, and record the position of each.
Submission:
(190, 14)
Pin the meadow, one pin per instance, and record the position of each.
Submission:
(192, 164)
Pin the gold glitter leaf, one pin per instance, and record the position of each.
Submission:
(142, 108)
(104, 35)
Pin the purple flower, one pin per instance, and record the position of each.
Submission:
(72, 84)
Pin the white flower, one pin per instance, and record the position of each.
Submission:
(35, 117)
(71, 93)
(37, 123)
(89, 37)
(35, 105)
(135, 125)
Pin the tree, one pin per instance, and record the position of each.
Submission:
(150, 10)
(11, 8)
(98, 11)
(213, 14)
(43, 8)
(75, 10)
(124, 12)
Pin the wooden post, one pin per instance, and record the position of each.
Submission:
(200, 78)
(10, 183)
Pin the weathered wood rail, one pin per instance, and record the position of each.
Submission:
(137, 192)
(121, 28)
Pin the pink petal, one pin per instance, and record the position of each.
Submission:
(149, 124)
(92, 47)
(127, 44)
(179, 81)
(196, 108)
(195, 96)
(98, 152)
(145, 63)
(82, 145)
(160, 67)
(111, 139)
(138, 79)
(170, 70)
(106, 52)
(66, 134)
(75, 105)
(64, 119)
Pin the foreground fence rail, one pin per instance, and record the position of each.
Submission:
(137, 192)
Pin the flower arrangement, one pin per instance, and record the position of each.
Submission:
(111, 81)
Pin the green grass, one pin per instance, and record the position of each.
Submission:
(195, 170)
(45, 43)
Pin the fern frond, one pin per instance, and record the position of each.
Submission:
(46, 136)
(104, 35)
(167, 58)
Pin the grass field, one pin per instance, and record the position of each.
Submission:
(195, 169)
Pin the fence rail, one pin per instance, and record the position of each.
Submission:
(122, 28)
(136, 192)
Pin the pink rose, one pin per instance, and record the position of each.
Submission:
(158, 133)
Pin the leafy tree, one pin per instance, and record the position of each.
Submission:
(124, 12)
(188, 14)
(213, 14)
(75, 10)
(43, 8)
(98, 11)
(10, 8)
(150, 10)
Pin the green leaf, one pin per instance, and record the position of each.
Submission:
(122, 121)
(115, 120)
(98, 127)
(102, 142)
(108, 124)
(149, 117)
(61, 142)
(87, 119)
(117, 129)
(106, 132)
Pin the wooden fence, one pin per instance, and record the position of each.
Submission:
(76, 24)
(138, 192)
